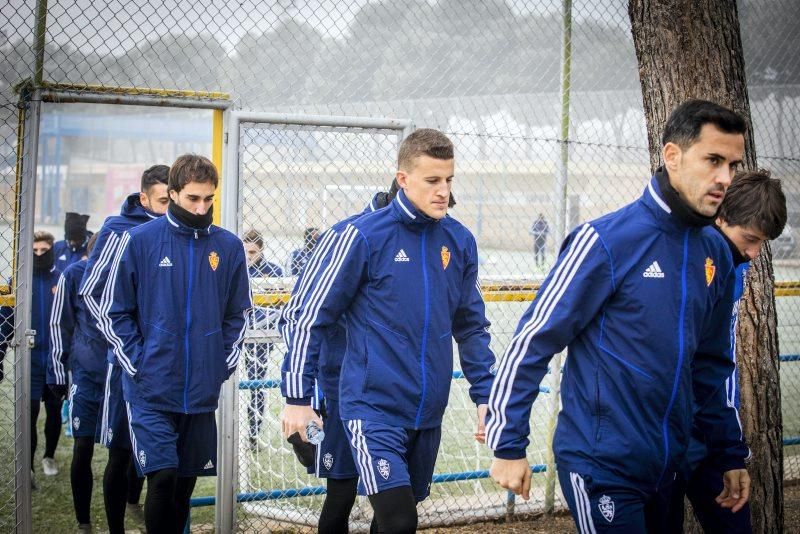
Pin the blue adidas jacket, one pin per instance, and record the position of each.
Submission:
(75, 340)
(176, 319)
(644, 304)
(334, 343)
(407, 285)
(98, 265)
(43, 290)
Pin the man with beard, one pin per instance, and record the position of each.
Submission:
(121, 484)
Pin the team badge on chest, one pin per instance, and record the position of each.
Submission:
(710, 270)
(445, 257)
(213, 260)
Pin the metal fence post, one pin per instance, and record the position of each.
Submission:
(23, 336)
(561, 232)
(225, 505)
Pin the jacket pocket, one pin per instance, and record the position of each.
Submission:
(391, 367)
(214, 358)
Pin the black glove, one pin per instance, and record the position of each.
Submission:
(302, 449)
(58, 390)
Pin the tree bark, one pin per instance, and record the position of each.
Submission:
(693, 49)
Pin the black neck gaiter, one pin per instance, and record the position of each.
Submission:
(738, 257)
(679, 208)
(197, 222)
(42, 264)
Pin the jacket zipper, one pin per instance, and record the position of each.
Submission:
(424, 327)
(664, 422)
(188, 323)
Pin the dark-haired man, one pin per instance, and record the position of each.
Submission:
(178, 296)
(121, 485)
(642, 297)
(754, 211)
(405, 279)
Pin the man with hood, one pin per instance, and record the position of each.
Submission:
(120, 480)
(76, 237)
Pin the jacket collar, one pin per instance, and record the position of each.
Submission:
(654, 200)
(408, 213)
(132, 207)
(182, 229)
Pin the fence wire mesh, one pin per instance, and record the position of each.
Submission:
(486, 73)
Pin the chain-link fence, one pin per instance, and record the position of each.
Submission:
(488, 73)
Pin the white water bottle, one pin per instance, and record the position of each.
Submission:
(314, 434)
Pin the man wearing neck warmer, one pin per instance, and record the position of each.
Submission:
(754, 210)
(121, 485)
(179, 296)
(642, 299)
(405, 281)
(44, 282)
(73, 247)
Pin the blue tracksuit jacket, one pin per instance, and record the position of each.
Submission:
(407, 285)
(43, 291)
(179, 299)
(334, 343)
(95, 275)
(644, 303)
(75, 340)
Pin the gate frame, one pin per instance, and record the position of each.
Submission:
(227, 467)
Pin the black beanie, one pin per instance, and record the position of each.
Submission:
(75, 227)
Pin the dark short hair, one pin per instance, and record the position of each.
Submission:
(191, 168)
(253, 236)
(424, 142)
(42, 235)
(685, 122)
(755, 200)
(157, 174)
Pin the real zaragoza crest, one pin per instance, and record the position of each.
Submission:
(384, 469)
(710, 270)
(606, 506)
(327, 461)
(142, 458)
(445, 257)
(213, 260)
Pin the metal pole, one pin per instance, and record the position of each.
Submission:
(225, 505)
(38, 42)
(561, 232)
(23, 335)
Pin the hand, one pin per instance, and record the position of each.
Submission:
(480, 434)
(514, 475)
(736, 491)
(295, 418)
(58, 390)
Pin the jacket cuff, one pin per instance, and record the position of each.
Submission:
(510, 454)
(728, 463)
(305, 401)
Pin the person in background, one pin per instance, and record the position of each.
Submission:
(539, 230)
(261, 317)
(300, 256)
(76, 238)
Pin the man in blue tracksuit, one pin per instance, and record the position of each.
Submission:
(175, 311)
(642, 297)
(45, 281)
(405, 279)
(78, 345)
(261, 317)
(76, 238)
(121, 485)
(754, 210)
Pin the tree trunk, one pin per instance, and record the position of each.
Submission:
(693, 49)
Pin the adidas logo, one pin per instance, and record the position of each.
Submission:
(165, 262)
(654, 271)
(209, 465)
(401, 256)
